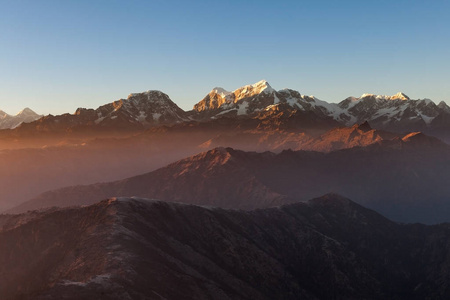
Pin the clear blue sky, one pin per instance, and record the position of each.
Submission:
(57, 55)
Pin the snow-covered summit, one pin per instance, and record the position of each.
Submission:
(398, 96)
(221, 99)
(254, 89)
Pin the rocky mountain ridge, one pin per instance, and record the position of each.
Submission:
(137, 112)
(122, 248)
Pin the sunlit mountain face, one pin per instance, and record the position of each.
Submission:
(139, 199)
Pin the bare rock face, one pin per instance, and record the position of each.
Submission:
(325, 248)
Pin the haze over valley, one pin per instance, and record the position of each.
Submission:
(224, 150)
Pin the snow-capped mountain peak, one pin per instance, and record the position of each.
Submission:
(398, 96)
(219, 98)
(254, 89)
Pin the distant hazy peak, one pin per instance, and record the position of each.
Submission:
(444, 106)
(3, 114)
(27, 111)
(26, 115)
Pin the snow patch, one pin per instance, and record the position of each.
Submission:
(276, 100)
(293, 102)
(142, 116)
(242, 110)
(156, 117)
(99, 279)
(226, 111)
(427, 119)
(99, 120)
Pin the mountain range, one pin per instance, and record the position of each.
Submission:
(397, 113)
(130, 248)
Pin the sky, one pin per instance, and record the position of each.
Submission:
(56, 56)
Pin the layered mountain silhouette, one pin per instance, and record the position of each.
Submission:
(122, 248)
(233, 179)
(402, 178)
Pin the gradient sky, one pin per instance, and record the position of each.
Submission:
(56, 56)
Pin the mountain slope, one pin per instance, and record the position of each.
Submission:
(326, 248)
(405, 179)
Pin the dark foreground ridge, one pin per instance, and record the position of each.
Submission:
(125, 248)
